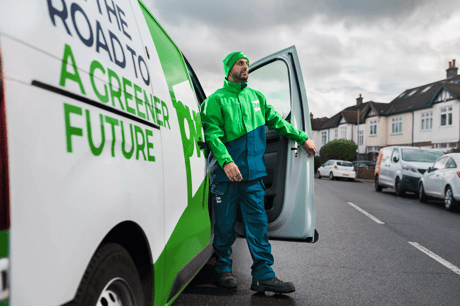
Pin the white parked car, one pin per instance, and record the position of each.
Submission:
(442, 180)
(335, 169)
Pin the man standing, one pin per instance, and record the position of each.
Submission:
(234, 119)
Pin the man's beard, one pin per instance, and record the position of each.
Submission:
(239, 78)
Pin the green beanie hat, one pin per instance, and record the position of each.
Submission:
(231, 59)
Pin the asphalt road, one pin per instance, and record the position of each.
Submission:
(357, 260)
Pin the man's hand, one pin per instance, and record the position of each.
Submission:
(232, 171)
(309, 147)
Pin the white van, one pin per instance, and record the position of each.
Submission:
(402, 167)
(103, 179)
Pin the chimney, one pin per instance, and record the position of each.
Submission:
(359, 100)
(452, 70)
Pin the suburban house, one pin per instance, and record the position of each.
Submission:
(352, 124)
(424, 116)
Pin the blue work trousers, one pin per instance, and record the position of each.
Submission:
(249, 196)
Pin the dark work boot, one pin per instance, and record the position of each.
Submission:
(273, 285)
(227, 280)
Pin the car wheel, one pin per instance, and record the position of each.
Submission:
(398, 190)
(449, 202)
(319, 175)
(331, 175)
(421, 194)
(110, 279)
(376, 184)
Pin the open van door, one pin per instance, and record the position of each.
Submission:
(289, 195)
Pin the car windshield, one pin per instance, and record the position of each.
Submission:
(417, 155)
(345, 164)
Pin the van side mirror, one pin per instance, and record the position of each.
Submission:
(429, 169)
(395, 159)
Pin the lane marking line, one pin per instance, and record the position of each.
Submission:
(365, 213)
(436, 257)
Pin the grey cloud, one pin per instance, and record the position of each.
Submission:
(247, 15)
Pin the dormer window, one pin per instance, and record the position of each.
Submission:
(426, 89)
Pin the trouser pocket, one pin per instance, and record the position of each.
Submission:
(218, 191)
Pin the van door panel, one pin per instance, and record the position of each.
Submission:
(289, 195)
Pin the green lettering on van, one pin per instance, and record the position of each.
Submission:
(138, 100)
(148, 133)
(68, 55)
(70, 130)
(158, 110)
(165, 114)
(149, 107)
(139, 146)
(115, 93)
(96, 65)
(127, 154)
(128, 96)
(113, 122)
(95, 150)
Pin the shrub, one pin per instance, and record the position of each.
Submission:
(338, 149)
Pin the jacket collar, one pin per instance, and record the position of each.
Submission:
(234, 87)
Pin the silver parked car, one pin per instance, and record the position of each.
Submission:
(337, 169)
(442, 180)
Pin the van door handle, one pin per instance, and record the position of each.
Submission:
(296, 150)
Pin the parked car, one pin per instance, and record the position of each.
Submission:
(337, 169)
(363, 163)
(402, 167)
(442, 181)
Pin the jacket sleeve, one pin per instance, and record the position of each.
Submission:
(211, 116)
(274, 121)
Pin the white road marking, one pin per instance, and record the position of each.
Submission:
(365, 213)
(436, 257)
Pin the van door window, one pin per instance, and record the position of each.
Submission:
(395, 156)
(272, 80)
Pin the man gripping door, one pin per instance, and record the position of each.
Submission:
(234, 119)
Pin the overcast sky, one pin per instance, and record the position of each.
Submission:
(377, 48)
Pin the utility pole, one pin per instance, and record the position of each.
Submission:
(357, 150)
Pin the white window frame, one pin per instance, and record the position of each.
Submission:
(324, 137)
(336, 133)
(360, 137)
(446, 111)
(343, 132)
(426, 121)
(373, 127)
(396, 125)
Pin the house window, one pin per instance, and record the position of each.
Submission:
(324, 137)
(336, 134)
(427, 121)
(396, 125)
(361, 138)
(343, 132)
(446, 116)
(373, 125)
(446, 146)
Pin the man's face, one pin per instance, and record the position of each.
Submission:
(239, 72)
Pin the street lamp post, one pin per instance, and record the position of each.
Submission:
(357, 149)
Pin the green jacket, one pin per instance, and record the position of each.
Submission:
(234, 119)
